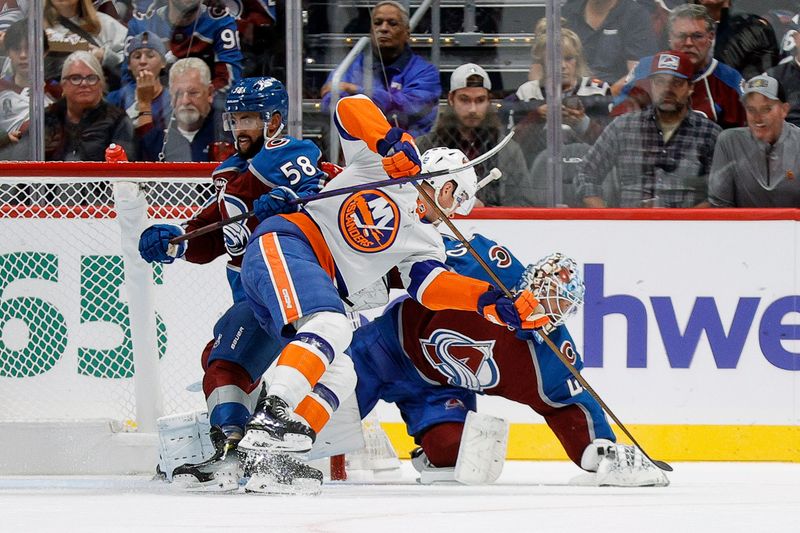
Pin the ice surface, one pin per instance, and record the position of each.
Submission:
(529, 496)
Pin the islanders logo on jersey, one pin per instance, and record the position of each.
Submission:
(369, 221)
(465, 362)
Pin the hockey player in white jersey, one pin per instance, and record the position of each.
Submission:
(298, 266)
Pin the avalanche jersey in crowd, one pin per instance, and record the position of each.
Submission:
(716, 94)
(15, 105)
(285, 162)
(371, 231)
(213, 38)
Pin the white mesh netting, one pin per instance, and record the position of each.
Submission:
(65, 337)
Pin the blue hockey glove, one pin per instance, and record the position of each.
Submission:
(275, 202)
(400, 155)
(154, 246)
(523, 312)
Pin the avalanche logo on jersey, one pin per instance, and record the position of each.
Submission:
(465, 362)
(236, 235)
(500, 256)
(369, 221)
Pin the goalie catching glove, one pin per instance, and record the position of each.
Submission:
(400, 155)
(275, 202)
(523, 312)
(154, 245)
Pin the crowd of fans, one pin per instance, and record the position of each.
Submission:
(664, 103)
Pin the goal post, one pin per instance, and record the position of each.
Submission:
(95, 343)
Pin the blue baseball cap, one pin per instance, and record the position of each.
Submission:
(145, 40)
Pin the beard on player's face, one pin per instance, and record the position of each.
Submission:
(247, 146)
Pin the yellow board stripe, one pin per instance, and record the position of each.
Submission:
(666, 442)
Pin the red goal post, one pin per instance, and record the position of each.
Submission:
(95, 343)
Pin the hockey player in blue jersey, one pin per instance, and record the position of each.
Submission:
(267, 168)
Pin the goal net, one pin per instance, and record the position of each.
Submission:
(79, 353)
(96, 344)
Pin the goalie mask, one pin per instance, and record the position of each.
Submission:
(264, 95)
(466, 181)
(557, 283)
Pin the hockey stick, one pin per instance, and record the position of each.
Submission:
(563, 358)
(348, 190)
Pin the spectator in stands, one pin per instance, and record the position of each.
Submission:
(81, 125)
(195, 131)
(189, 28)
(758, 166)
(147, 100)
(717, 87)
(788, 75)
(743, 41)
(662, 154)
(614, 33)
(76, 25)
(15, 94)
(11, 11)
(470, 123)
(585, 99)
(404, 86)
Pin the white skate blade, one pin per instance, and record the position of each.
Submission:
(222, 482)
(437, 476)
(264, 484)
(261, 441)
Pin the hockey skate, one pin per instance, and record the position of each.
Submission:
(219, 473)
(619, 465)
(429, 474)
(626, 466)
(281, 473)
(273, 428)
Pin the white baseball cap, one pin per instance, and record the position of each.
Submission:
(458, 80)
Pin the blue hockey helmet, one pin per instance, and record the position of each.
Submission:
(263, 95)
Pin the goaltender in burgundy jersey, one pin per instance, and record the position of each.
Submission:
(284, 161)
(432, 363)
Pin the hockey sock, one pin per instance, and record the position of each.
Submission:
(227, 387)
(441, 443)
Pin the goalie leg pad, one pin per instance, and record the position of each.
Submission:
(483, 449)
(481, 454)
(183, 438)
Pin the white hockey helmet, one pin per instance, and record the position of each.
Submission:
(466, 181)
(557, 283)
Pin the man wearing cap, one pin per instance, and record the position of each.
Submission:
(402, 84)
(145, 100)
(717, 86)
(662, 153)
(758, 166)
(470, 123)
